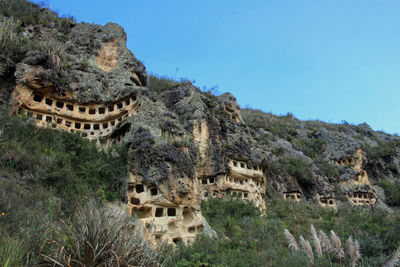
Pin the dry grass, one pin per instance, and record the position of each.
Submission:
(101, 236)
(332, 247)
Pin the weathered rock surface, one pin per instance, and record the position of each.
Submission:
(186, 145)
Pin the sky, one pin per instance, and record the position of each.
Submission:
(328, 60)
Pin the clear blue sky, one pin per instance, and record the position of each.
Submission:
(328, 60)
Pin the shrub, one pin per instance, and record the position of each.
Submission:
(12, 251)
(30, 13)
(312, 148)
(295, 167)
(101, 236)
(159, 84)
(13, 45)
(65, 162)
(392, 192)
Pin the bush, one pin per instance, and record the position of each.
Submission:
(101, 236)
(12, 251)
(294, 167)
(248, 239)
(13, 45)
(30, 13)
(65, 162)
(312, 148)
(159, 84)
(384, 150)
(392, 192)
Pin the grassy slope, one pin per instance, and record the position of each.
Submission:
(248, 239)
(44, 176)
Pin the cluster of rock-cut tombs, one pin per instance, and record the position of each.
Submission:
(165, 219)
(91, 121)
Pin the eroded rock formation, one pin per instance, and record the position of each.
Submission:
(185, 145)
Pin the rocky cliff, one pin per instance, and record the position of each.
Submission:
(185, 144)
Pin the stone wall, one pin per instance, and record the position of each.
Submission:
(91, 120)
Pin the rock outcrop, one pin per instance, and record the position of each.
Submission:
(186, 145)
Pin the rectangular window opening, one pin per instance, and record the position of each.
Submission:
(139, 188)
(77, 125)
(92, 111)
(86, 126)
(59, 104)
(96, 126)
(39, 117)
(102, 110)
(119, 105)
(49, 118)
(70, 107)
(49, 101)
(105, 125)
(159, 212)
(171, 212)
(37, 98)
(82, 109)
(111, 108)
(153, 191)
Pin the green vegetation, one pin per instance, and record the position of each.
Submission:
(383, 150)
(295, 167)
(159, 84)
(44, 175)
(248, 239)
(65, 162)
(13, 44)
(30, 13)
(101, 236)
(312, 148)
(392, 192)
(281, 126)
(15, 15)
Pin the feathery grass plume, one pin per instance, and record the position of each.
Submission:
(355, 256)
(337, 245)
(292, 241)
(349, 246)
(326, 243)
(102, 236)
(307, 248)
(310, 252)
(393, 260)
(317, 242)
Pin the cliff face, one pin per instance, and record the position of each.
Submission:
(186, 145)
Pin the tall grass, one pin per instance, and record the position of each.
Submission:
(101, 236)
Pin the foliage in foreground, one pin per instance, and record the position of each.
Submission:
(101, 236)
(328, 251)
(44, 174)
(248, 239)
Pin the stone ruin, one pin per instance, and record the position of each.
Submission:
(292, 195)
(164, 219)
(363, 198)
(241, 182)
(92, 121)
(359, 190)
(327, 201)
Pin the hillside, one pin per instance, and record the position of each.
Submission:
(91, 142)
